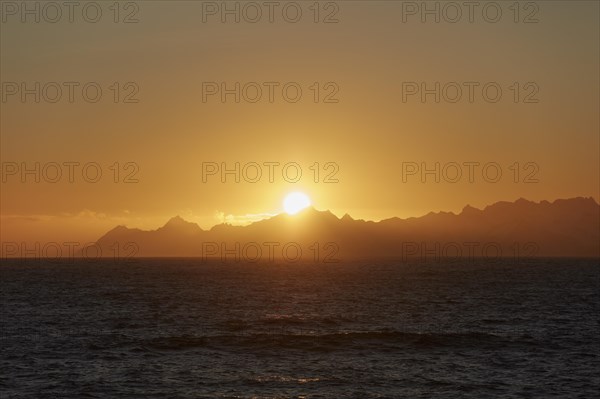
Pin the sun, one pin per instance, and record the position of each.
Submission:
(295, 202)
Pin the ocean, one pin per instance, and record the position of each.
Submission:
(182, 328)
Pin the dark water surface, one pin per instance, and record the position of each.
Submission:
(188, 329)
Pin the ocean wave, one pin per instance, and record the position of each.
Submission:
(329, 341)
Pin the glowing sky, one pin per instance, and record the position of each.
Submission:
(362, 140)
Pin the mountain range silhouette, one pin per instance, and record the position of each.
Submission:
(565, 227)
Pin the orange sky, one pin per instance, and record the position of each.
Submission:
(366, 137)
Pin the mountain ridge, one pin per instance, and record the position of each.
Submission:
(563, 227)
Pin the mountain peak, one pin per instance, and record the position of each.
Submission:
(523, 201)
(311, 211)
(323, 214)
(177, 222)
(469, 210)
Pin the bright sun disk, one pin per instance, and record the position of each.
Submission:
(295, 202)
